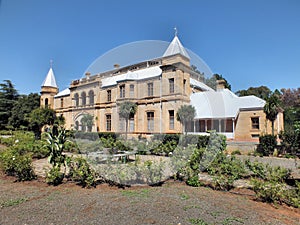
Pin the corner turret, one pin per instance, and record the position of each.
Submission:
(48, 90)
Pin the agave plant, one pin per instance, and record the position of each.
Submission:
(56, 140)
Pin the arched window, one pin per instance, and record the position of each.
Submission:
(91, 97)
(83, 98)
(76, 97)
(46, 102)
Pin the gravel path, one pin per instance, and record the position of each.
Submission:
(173, 203)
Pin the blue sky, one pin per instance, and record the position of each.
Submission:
(249, 42)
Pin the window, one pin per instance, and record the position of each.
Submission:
(83, 98)
(131, 91)
(76, 97)
(131, 124)
(150, 121)
(171, 85)
(255, 123)
(150, 89)
(184, 83)
(109, 95)
(61, 103)
(202, 125)
(122, 91)
(91, 97)
(46, 102)
(171, 119)
(108, 122)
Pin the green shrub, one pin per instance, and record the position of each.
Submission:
(14, 164)
(222, 182)
(292, 196)
(268, 191)
(277, 173)
(203, 141)
(290, 142)
(236, 152)
(267, 144)
(54, 176)
(194, 181)
(258, 169)
(267, 172)
(190, 139)
(230, 167)
(81, 172)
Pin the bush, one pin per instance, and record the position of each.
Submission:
(258, 169)
(14, 164)
(81, 172)
(203, 141)
(267, 172)
(194, 181)
(268, 191)
(292, 196)
(290, 142)
(236, 152)
(267, 144)
(54, 176)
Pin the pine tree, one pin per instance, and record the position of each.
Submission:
(8, 98)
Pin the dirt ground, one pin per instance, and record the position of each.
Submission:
(172, 203)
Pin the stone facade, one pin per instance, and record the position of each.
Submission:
(159, 88)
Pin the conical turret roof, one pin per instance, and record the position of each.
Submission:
(50, 79)
(176, 47)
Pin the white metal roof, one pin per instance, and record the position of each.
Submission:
(132, 75)
(49, 80)
(63, 93)
(200, 85)
(222, 104)
(176, 47)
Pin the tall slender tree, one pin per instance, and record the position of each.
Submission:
(272, 108)
(185, 114)
(127, 109)
(87, 121)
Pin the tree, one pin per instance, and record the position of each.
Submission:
(290, 99)
(272, 108)
(262, 92)
(87, 121)
(39, 118)
(127, 109)
(212, 82)
(185, 114)
(22, 108)
(8, 97)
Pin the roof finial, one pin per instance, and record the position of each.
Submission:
(51, 63)
(176, 31)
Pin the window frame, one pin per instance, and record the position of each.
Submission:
(131, 90)
(150, 89)
(150, 121)
(171, 120)
(171, 85)
(255, 124)
(122, 91)
(108, 95)
(108, 122)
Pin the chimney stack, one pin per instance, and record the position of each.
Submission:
(87, 74)
(220, 85)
